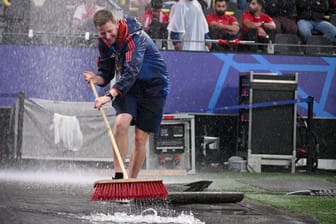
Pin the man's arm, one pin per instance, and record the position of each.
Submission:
(176, 39)
(268, 25)
(96, 79)
(106, 65)
(232, 28)
(134, 54)
(251, 25)
(176, 26)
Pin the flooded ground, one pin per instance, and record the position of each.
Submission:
(64, 197)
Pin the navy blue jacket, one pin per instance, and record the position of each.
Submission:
(142, 70)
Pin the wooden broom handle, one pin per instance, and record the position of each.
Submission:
(109, 130)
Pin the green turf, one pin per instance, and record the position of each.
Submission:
(321, 208)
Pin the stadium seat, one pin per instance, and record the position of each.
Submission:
(290, 39)
(315, 45)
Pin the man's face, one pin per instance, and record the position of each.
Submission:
(220, 8)
(254, 7)
(156, 13)
(109, 31)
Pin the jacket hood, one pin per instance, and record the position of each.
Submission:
(133, 25)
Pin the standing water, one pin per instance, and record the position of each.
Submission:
(122, 217)
(64, 197)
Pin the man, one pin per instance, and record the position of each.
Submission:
(155, 23)
(257, 26)
(187, 26)
(311, 17)
(283, 14)
(138, 96)
(221, 26)
(154, 12)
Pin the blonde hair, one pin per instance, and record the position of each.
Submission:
(103, 16)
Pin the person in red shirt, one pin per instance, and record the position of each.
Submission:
(222, 26)
(257, 26)
(155, 23)
(154, 12)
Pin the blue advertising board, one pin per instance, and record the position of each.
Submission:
(200, 81)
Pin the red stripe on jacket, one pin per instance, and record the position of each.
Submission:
(130, 50)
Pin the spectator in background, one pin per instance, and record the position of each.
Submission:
(311, 17)
(257, 26)
(283, 14)
(155, 23)
(187, 26)
(153, 12)
(82, 18)
(221, 26)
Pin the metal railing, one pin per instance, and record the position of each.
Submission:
(89, 40)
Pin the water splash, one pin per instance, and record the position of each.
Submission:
(147, 216)
(46, 177)
(147, 211)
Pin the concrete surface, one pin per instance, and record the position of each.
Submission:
(64, 197)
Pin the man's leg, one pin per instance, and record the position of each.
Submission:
(328, 30)
(148, 119)
(305, 28)
(121, 126)
(139, 152)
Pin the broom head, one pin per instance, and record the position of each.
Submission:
(131, 188)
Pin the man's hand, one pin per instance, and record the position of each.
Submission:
(261, 32)
(209, 45)
(100, 101)
(96, 79)
(88, 76)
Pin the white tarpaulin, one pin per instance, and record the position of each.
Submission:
(65, 131)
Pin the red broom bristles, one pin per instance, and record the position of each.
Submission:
(114, 190)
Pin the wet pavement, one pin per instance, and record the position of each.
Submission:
(64, 197)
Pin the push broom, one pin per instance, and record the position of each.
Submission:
(127, 188)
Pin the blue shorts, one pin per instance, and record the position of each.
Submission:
(146, 111)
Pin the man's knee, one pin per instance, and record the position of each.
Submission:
(140, 138)
(304, 27)
(122, 123)
(327, 29)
